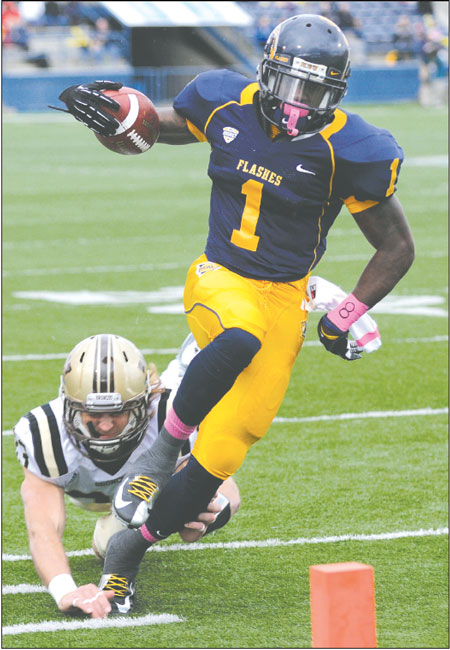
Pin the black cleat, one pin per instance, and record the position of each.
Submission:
(134, 500)
(124, 591)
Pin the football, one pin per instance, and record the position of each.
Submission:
(139, 122)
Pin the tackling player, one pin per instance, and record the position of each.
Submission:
(82, 444)
(284, 161)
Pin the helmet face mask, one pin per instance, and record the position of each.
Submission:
(105, 375)
(302, 77)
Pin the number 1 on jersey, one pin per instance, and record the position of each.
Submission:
(245, 237)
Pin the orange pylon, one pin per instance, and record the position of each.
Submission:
(343, 605)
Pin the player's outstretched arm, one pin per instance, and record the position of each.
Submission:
(173, 128)
(45, 519)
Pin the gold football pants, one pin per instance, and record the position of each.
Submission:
(216, 299)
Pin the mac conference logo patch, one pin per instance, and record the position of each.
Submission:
(229, 134)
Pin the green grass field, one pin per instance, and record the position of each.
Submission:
(90, 225)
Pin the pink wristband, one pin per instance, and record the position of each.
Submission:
(347, 312)
(176, 427)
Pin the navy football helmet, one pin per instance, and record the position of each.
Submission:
(302, 77)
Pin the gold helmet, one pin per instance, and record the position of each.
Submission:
(105, 373)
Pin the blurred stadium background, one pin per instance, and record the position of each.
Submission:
(399, 49)
(353, 469)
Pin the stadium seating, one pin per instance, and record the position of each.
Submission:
(377, 20)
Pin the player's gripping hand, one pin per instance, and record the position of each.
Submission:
(336, 341)
(86, 101)
(194, 530)
(89, 599)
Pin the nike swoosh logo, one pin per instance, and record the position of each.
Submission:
(299, 168)
(119, 502)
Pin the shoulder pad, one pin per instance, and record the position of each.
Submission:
(207, 92)
(44, 447)
(220, 85)
(361, 142)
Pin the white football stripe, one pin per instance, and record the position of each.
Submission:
(92, 624)
(264, 543)
(131, 117)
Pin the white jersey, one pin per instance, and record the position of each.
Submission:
(45, 449)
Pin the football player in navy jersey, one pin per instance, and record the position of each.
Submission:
(81, 444)
(284, 160)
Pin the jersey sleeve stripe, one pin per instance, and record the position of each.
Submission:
(354, 206)
(37, 445)
(394, 174)
(248, 93)
(340, 120)
(201, 137)
(245, 98)
(56, 441)
(218, 108)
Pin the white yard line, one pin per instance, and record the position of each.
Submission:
(153, 619)
(427, 411)
(63, 355)
(265, 543)
(22, 589)
(134, 268)
(366, 415)
(77, 270)
(91, 624)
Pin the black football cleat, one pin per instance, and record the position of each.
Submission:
(134, 500)
(124, 591)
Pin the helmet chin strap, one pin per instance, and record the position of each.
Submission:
(293, 114)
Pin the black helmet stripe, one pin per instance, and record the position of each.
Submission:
(103, 375)
(106, 365)
(95, 374)
(111, 363)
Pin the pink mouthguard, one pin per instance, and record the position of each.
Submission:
(293, 113)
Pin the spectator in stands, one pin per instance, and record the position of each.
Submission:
(14, 31)
(346, 21)
(53, 14)
(434, 67)
(263, 29)
(106, 42)
(404, 40)
(434, 52)
(352, 28)
(73, 13)
(80, 41)
(328, 10)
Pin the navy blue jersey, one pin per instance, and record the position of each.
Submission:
(274, 200)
